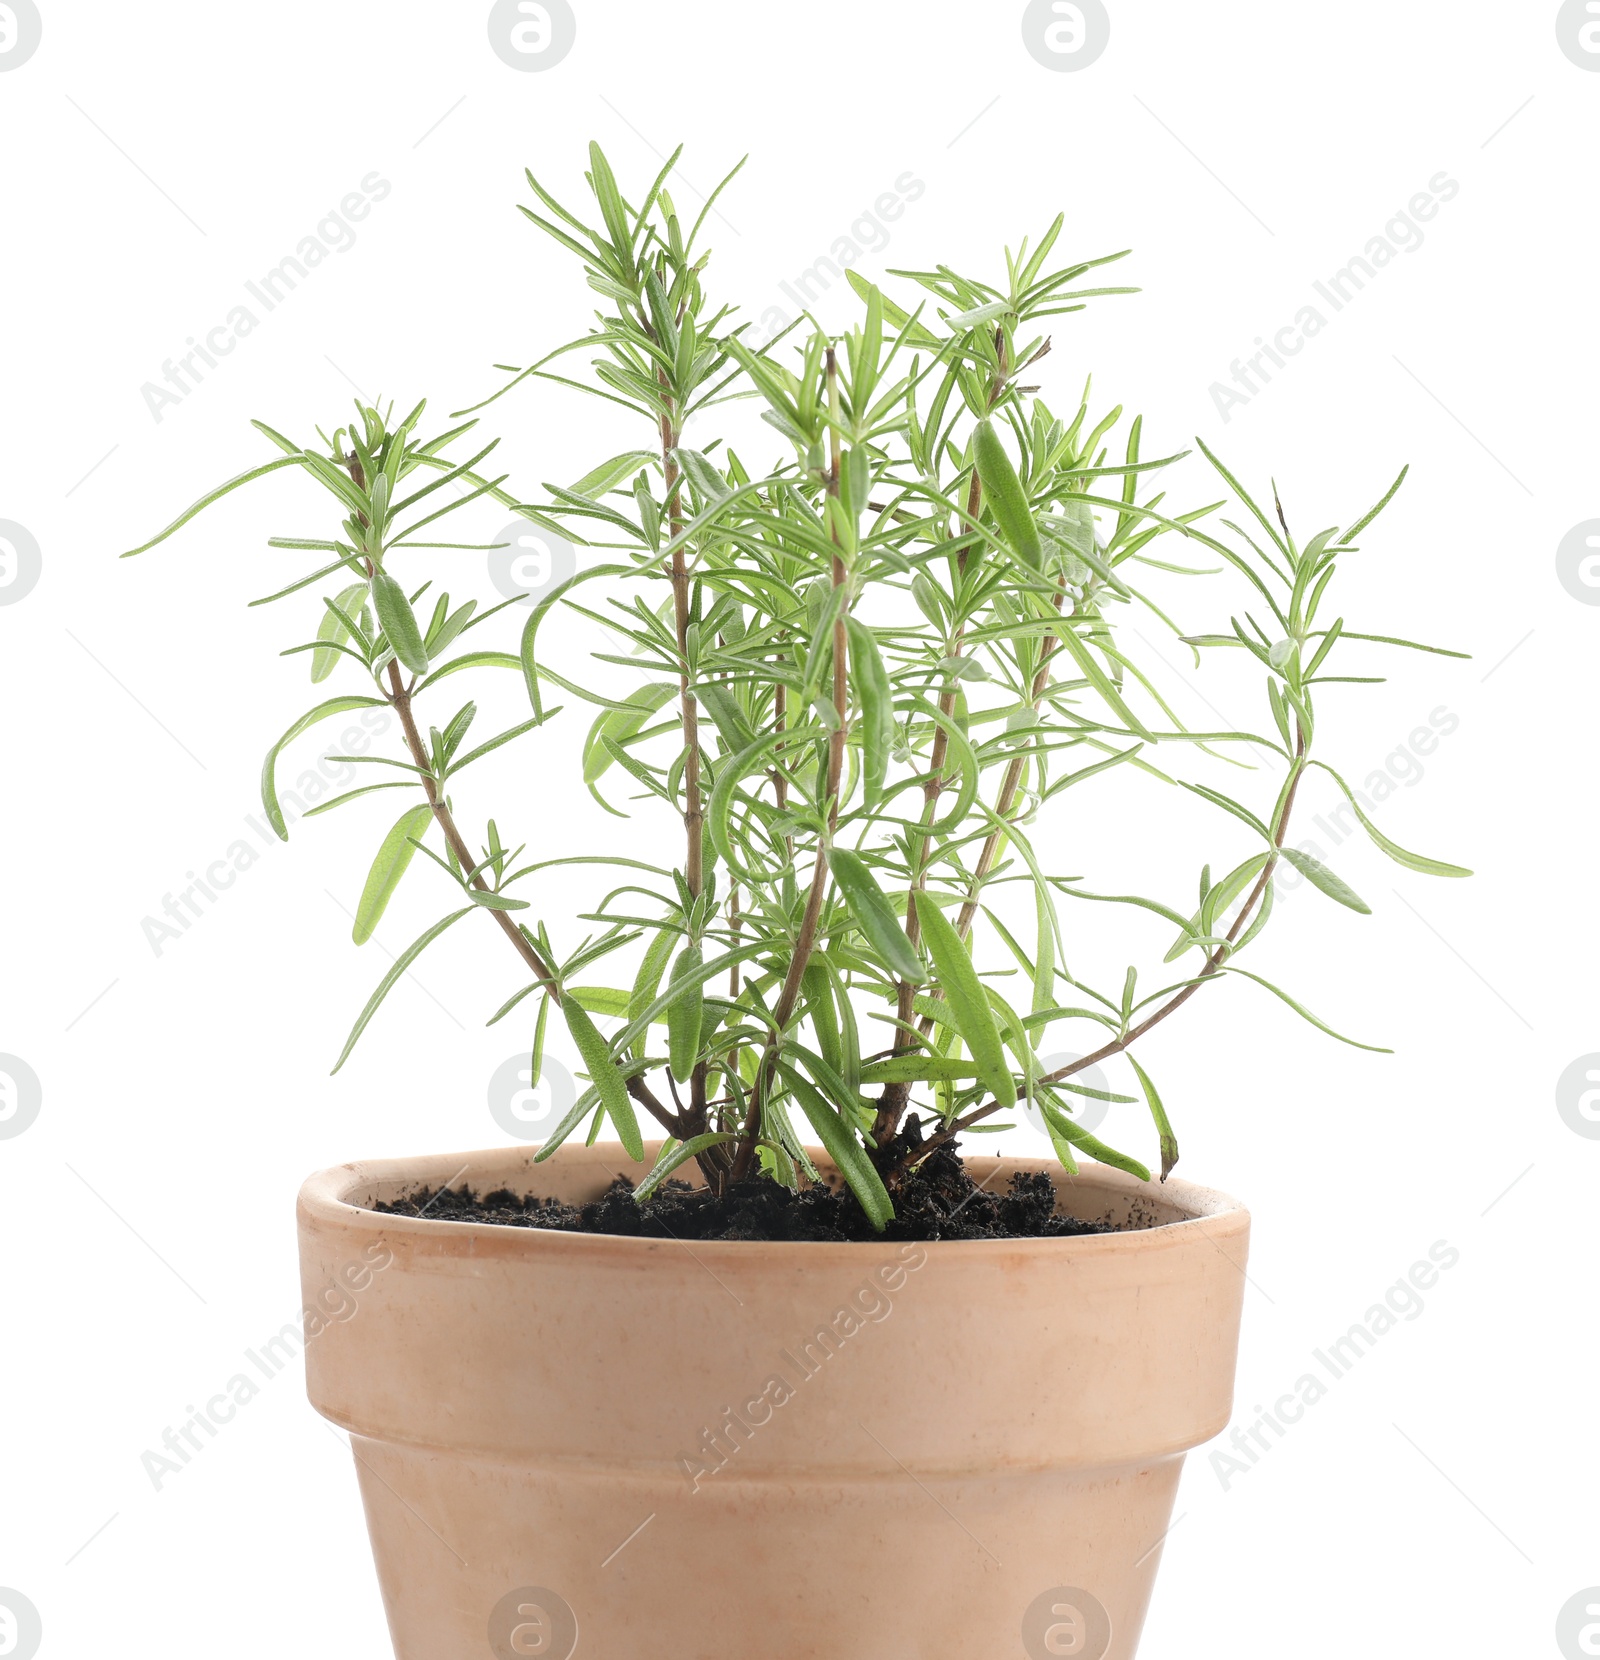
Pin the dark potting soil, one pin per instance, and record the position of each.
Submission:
(937, 1201)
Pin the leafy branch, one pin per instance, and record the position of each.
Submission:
(878, 668)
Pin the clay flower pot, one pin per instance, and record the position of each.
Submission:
(628, 1449)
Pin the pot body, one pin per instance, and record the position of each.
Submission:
(631, 1449)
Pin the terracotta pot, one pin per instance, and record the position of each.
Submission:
(633, 1449)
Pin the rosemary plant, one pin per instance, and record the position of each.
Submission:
(878, 666)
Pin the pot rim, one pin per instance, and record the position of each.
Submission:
(326, 1198)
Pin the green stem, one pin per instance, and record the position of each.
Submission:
(806, 939)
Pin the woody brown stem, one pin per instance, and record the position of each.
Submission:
(399, 699)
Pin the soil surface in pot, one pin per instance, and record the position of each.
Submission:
(937, 1201)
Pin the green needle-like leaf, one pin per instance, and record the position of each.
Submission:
(677, 1154)
(387, 983)
(216, 495)
(333, 630)
(686, 1012)
(1321, 877)
(1004, 492)
(387, 869)
(602, 1069)
(398, 622)
(1080, 1138)
(1169, 1142)
(915, 1069)
(838, 685)
(876, 697)
(964, 992)
(269, 790)
(843, 1147)
(1412, 861)
(874, 914)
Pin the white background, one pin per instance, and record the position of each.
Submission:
(1439, 1500)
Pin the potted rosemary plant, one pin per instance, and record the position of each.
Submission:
(722, 1380)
